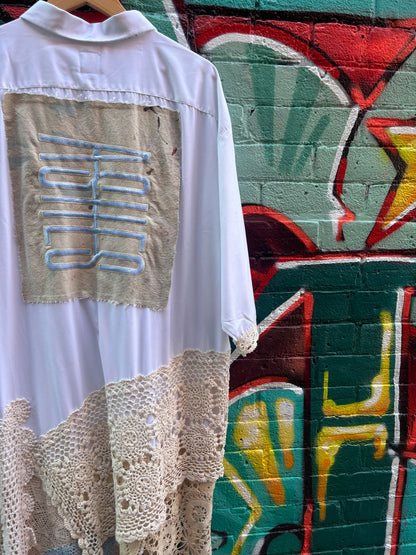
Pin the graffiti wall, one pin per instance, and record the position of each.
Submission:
(321, 449)
(321, 442)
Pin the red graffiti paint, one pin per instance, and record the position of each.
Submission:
(283, 355)
(271, 234)
(16, 11)
(363, 58)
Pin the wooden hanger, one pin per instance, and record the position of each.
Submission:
(107, 7)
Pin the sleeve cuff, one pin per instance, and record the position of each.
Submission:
(248, 342)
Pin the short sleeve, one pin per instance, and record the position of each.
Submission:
(238, 313)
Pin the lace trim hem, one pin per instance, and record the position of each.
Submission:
(122, 465)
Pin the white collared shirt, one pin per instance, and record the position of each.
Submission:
(55, 355)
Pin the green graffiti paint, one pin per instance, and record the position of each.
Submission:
(312, 142)
(305, 94)
(263, 78)
(408, 527)
(263, 483)
(366, 8)
(155, 12)
(363, 296)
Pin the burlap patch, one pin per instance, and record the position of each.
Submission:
(96, 198)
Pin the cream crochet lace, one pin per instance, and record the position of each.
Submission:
(248, 342)
(137, 461)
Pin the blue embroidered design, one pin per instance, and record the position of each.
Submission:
(100, 153)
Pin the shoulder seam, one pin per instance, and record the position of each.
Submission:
(14, 89)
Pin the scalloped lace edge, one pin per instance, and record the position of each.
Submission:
(138, 460)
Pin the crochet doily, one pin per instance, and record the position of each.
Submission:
(137, 461)
(248, 342)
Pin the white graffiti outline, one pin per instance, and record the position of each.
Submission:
(286, 51)
(173, 16)
(273, 316)
(397, 362)
(391, 504)
(288, 264)
(338, 212)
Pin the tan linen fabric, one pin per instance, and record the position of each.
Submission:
(96, 198)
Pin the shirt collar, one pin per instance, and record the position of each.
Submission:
(59, 22)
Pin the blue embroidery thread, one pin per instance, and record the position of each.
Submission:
(94, 203)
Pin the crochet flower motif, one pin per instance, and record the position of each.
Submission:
(131, 439)
(121, 464)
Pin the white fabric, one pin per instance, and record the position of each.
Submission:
(55, 355)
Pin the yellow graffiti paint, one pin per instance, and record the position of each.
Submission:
(378, 403)
(251, 500)
(406, 192)
(252, 436)
(329, 441)
(285, 411)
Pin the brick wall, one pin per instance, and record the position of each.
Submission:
(321, 448)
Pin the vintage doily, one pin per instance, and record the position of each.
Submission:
(137, 461)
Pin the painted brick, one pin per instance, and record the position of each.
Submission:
(250, 192)
(333, 512)
(282, 147)
(409, 528)
(405, 236)
(333, 308)
(407, 549)
(369, 303)
(348, 536)
(360, 509)
(287, 198)
(365, 164)
(367, 334)
(308, 125)
(347, 364)
(366, 7)
(256, 162)
(366, 551)
(340, 340)
(359, 483)
(296, 83)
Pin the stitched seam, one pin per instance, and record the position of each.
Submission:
(10, 89)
